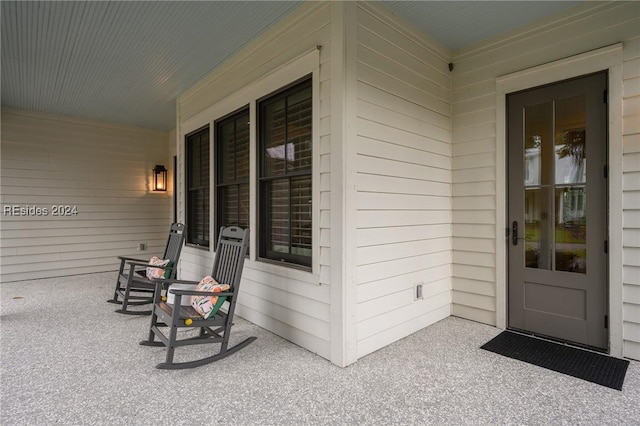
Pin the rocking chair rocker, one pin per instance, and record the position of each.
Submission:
(227, 269)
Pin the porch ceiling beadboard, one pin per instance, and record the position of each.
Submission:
(123, 62)
(458, 24)
(126, 61)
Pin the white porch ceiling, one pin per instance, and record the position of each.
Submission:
(126, 61)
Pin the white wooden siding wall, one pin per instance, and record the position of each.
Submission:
(403, 165)
(631, 197)
(102, 169)
(591, 26)
(291, 303)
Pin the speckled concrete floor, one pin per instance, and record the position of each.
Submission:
(67, 358)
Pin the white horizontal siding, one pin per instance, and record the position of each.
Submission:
(631, 198)
(195, 263)
(291, 303)
(588, 27)
(323, 221)
(103, 171)
(403, 181)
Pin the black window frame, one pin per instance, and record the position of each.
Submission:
(220, 184)
(191, 214)
(288, 259)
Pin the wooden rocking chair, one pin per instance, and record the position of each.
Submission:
(227, 269)
(133, 288)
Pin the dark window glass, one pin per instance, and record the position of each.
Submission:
(232, 139)
(285, 175)
(197, 191)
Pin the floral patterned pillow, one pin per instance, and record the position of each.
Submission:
(165, 272)
(208, 305)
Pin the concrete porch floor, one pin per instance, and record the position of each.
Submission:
(67, 358)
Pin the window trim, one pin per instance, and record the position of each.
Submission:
(199, 244)
(290, 260)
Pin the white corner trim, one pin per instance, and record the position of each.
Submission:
(607, 58)
(344, 338)
(616, 258)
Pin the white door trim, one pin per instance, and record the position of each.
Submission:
(607, 58)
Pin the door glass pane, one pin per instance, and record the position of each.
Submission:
(538, 185)
(570, 153)
(571, 191)
(571, 230)
(537, 234)
(555, 185)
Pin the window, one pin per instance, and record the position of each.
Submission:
(197, 187)
(232, 164)
(285, 141)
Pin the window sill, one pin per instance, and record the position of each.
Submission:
(197, 247)
(285, 264)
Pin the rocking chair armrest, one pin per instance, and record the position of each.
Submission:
(125, 258)
(199, 293)
(144, 263)
(175, 281)
(161, 282)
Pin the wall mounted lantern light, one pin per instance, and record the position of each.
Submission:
(159, 178)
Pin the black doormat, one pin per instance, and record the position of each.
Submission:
(590, 366)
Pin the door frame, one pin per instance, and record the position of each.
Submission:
(607, 58)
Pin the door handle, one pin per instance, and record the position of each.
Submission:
(514, 233)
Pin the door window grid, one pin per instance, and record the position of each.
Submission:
(555, 185)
